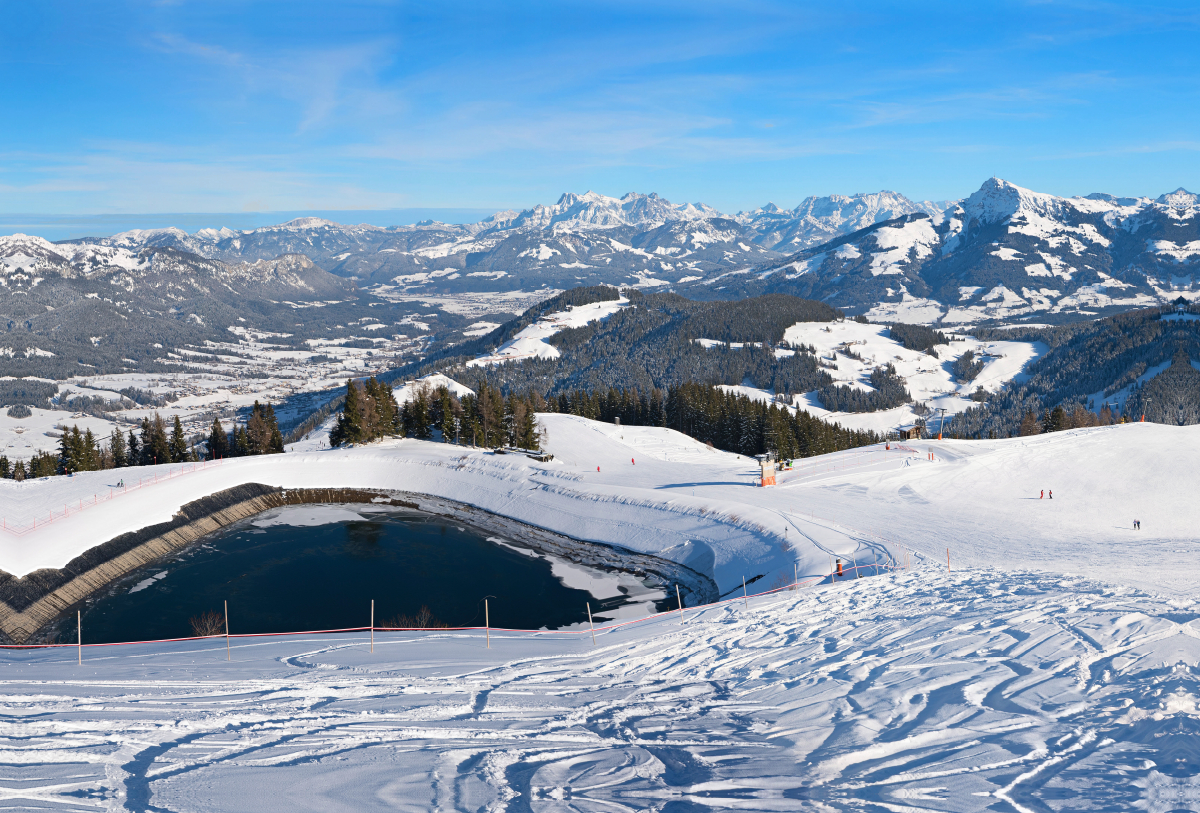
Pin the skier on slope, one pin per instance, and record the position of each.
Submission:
(1042, 495)
(1051, 493)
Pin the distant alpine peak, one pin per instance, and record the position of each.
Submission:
(1182, 203)
(997, 200)
(594, 210)
(305, 223)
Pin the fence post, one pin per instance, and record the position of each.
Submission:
(227, 654)
(372, 625)
(79, 629)
(591, 625)
(487, 624)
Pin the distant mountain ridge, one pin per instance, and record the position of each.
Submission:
(1002, 253)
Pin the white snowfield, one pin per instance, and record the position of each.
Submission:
(531, 342)
(1042, 673)
(929, 380)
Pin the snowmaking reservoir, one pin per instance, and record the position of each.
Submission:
(313, 567)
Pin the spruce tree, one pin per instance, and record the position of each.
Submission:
(159, 448)
(66, 452)
(118, 450)
(147, 453)
(178, 449)
(134, 455)
(349, 424)
(218, 441)
(242, 442)
(449, 422)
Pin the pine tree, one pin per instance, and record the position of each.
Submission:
(449, 420)
(349, 427)
(177, 448)
(118, 450)
(135, 450)
(245, 446)
(66, 452)
(218, 441)
(158, 449)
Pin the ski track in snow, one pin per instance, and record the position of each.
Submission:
(918, 691)
(1041, 676)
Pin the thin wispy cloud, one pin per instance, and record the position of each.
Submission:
(188, 106)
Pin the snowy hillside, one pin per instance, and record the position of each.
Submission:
(531, 342)
(929, 379)
(1037, 675)
(659, 491)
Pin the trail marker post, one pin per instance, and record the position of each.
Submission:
(228, 656)
(745, 592)
(947, 560)
(591, 625)
(79, 629)
(679, 601)
(372, 625)
(487, 624)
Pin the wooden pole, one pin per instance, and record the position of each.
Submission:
(487, 624)
(372, 625)
(79, 629)
(745, 592)
(795, 573)
(227, 654)
(679, 601)
(590, 624)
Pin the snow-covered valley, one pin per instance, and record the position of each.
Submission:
(1052, 668)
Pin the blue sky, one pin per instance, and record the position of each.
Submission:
(244, 107)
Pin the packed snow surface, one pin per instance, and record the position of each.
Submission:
(1053, 668)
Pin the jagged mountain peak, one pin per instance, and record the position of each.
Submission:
(998, 200)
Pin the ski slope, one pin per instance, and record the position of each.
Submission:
(1050, 669)
(922, 691)
(657, 491)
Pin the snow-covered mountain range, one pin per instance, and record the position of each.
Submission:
(1002, 253)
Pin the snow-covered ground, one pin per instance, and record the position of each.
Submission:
(531, 342)
(928, 379)
(247, 368)
(1051, 669)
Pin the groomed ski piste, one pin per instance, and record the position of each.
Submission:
(1051, 667)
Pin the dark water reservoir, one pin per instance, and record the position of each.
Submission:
(280, 574)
